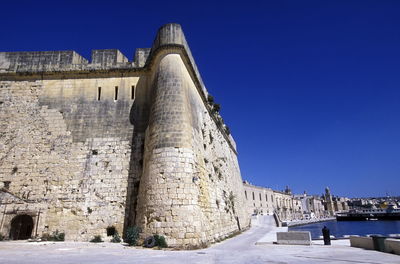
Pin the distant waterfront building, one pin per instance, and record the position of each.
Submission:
(340, 204)
(334, 204)
(284, 205)
(377, 202)
(329, 206)
(312, 206)
(289, 207)
(259, 200)
(265, 201)
(298, 208)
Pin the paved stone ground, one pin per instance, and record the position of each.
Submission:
(241, 249)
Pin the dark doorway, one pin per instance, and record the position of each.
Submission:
(21, 227)
(110, 231)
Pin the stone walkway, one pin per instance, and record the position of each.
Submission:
(240, 249)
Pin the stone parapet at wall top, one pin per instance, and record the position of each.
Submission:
(45, 64)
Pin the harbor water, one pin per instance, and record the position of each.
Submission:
(341, 228)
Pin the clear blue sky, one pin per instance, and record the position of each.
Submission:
(310, 89)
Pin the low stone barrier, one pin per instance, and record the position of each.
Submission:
(392, 246)
(362, 242)
(294, 238)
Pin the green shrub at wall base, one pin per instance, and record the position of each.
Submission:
(116, 238)
(132, 235)
(56, 236)
(160, 241)
(96, 239)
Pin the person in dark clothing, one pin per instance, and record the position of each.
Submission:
(326, 235)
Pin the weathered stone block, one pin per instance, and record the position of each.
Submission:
(294, 238)
(362, 242)
(392, 246)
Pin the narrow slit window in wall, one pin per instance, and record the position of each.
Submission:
(132, 92)
(116, 93)
(98, 93)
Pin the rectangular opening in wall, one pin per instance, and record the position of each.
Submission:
(116, 93)
(98, 93)
(132, 92)
(110, 231)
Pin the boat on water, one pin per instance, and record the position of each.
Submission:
(390, 213)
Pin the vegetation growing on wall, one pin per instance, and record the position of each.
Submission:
(215, 108)
(116, 238)
(55, 236)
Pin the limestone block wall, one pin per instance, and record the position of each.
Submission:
(191, 189)
(89, 145)
(77, 186)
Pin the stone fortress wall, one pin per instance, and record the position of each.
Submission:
(85, 146)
